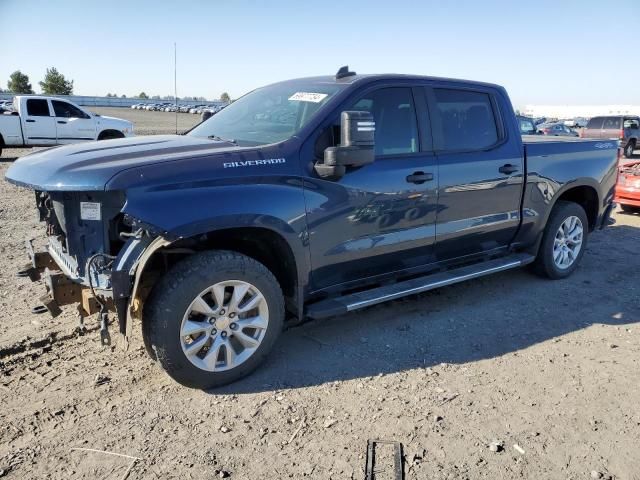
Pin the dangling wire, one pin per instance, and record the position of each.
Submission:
(92, 258)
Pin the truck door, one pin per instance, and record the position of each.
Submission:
(39, 127)
(481, 167)
(73, 124)
(378, 218)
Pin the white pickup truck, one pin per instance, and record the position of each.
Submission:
(44, 121)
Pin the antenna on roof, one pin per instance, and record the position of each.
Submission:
(344, 72)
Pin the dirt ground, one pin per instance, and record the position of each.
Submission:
(550, 370)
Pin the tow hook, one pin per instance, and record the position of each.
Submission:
(105, 338)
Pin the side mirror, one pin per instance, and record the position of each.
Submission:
(357, 140)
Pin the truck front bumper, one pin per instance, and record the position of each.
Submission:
(62, 287)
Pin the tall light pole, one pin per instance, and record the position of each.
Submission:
(175, 80)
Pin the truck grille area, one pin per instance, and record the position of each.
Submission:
(80, 225)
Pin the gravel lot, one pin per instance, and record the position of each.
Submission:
(550, 367)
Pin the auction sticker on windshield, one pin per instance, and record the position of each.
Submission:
(308, 97)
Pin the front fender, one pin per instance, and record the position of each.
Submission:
(273, 203)
(201, 207)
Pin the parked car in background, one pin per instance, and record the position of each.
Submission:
(628, 187)
(558, 129)
(316, 197)
(46, 121)
(527, 125)
(578, 122)
(625, 128)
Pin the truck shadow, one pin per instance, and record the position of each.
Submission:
(477, 320)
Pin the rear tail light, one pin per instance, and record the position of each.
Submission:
(622, 134)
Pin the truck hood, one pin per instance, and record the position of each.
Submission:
(89, 166)
(104, 120)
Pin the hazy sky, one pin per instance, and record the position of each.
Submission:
(557, 52)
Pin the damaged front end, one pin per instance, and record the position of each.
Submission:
(92, 254)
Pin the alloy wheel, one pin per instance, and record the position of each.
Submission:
(224, 325)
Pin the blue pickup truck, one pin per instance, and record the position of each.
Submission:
(307, 198)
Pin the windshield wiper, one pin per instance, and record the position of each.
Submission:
(220, 139)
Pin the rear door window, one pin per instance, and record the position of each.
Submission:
(595, 123)
(467, 119)
(612, 123)
(37, 107)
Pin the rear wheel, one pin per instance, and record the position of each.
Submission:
(563, 242)
(629, 148)
(629, 208)
(213, 318)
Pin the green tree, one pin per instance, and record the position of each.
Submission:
(123, 96)
(225, 97)
(143, 95)
(55, 84)
(19, 83)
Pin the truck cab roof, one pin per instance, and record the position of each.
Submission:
(355, 78)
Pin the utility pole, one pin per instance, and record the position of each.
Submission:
(175, 80)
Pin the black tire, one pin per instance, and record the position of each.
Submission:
(629, 208)
(544, 264)
(174, 292)
(110, 135)
(629, 148)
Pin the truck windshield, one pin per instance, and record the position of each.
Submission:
(267, 115)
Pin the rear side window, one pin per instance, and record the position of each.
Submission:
(66, 110)
(37, 108)
(467, 119)
(595, 123)
(395, 116)
(612, 123)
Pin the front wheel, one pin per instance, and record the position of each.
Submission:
(563, 242)
(110, 135)
(213, 318)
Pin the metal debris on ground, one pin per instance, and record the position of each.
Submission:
(398, 466)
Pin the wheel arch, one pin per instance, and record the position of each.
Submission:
(261, 244)
(584, 195)
(110, 133)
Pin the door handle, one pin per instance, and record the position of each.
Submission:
(61, 122)
(508, 169)
(29, 120)
(419, 177)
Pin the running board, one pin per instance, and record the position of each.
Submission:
(355, 301)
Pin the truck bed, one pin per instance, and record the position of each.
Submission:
(10, 130)
(526, 139)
